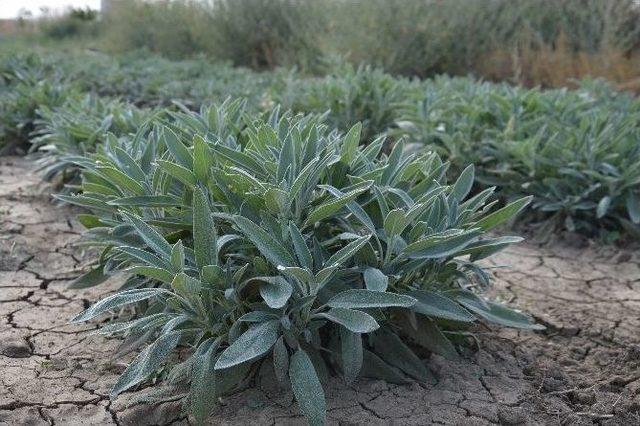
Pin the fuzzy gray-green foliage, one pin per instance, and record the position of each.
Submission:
(277, 240)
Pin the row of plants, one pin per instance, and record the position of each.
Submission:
(273, 241)
(27, 84)
(576, 151)
(36, 84)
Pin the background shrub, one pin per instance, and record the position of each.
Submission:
(253, 33)
(167, 27)
(348, 96)
(73, 23)
(266, 33)
(531, 42)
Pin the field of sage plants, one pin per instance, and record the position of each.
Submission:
(338, 226)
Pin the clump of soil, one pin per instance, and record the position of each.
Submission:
(584, 369)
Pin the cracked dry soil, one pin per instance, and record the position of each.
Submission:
(584, 369)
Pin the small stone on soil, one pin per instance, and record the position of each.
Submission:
(15, 347)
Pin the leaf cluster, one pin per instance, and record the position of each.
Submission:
(576, 152)
(277, 241)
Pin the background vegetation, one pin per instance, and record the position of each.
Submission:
(532, 42)
(576, 151)
(282, 189)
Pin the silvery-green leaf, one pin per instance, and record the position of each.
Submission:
(603, 207)
(121, 180)
(148, 361)
(281, 361)
(394, 160)
(117, 300)
(434, 247)
(395, 222)
(147, 201)
(376, 368)
(203, 385)
(225, 239)
(325, 273)
(89, 221)
(129, 164)
(354, 208)
(177, 256)
(301, 179)
(86, 202)
(204, 232)
(144, 256)
(159, 274)
(265, 243)
(307, 388)
(144, 324)
(89, 279)
(350, 143)
(186, 286)
(427, 334)
(496, 313)
(332, 206)
(347, 251)
(485, 248)
(211, 274)
(504, 214)
(231, 379)
(304, 275)
(393, 350)
(240, 159)
(154, 240)
(201, 155)
(375, 280)
(399, 194)
(464, 183)
(275, 291)
(253, 343)
(257, 316)
(361, 298)
(302, 250)
(438, 306)
(177, 148)
(276, 200)
(354, 320)
(351, 354)
(178, 172)
(633, 207)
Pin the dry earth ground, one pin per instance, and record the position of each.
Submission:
(582, 370)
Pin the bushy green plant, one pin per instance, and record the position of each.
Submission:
(349, 95)
(278, 242)
(78, 127)
(577, 152)
(74, 23)
(28, 84)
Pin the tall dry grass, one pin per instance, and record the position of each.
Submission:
(531, 42)
(558, 65)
